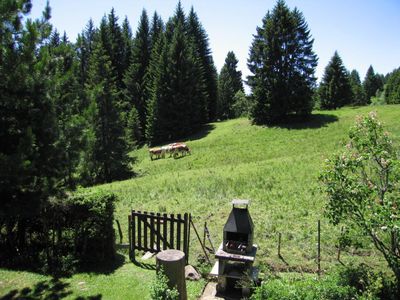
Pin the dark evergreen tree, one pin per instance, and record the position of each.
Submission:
(229, 83)
(372, 83)
(127, 41)
(392, 88)
(136, 79)
(335, 90)
(106, 157)
(157, 28)
(356, 88)
(282, 63)
(84, 47)
(65, 93)
(199, 37)
(29, 160)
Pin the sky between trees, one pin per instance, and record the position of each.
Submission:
(363, 32)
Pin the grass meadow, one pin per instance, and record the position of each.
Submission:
(276, 168)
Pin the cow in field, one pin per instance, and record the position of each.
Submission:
(157, 153)
(174, 149)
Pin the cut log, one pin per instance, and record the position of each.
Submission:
(173, 264)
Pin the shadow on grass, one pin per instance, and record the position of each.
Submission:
(202, 133)
(52, 289)
(314, 121)
(105, 268)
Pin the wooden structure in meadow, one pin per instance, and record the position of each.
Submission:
(154, 232)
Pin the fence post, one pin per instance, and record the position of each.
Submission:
(279, 244)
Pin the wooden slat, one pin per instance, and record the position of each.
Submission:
(152, 231)
(144, 220)
(178, 232)
(130, 234)
(139, 231)
(185, 235)
(159, 232)
(171, 232)
(165, 231)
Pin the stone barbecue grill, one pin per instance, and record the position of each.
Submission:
(236, 254)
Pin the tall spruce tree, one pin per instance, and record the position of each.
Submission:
(199, 37)
(356, 88)
(136, 78)
(335, 90)
(229, 83)
(177, 99)
(65, 92)
(84, 48)
(283, 64)
(392, 88)
(106, 157)
(372, 83)
(29, 160)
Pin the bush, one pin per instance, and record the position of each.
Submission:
(159, 289)
(350, 282)
(326, 288)
(67, 233)
(81, 228)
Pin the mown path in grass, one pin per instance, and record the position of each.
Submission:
(276, 168)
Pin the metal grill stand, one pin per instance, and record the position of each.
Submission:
(236, 254)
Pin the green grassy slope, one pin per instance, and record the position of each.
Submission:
(276, 168)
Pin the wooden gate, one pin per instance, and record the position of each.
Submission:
(155, 232)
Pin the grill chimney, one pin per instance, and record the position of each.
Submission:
(238, 230)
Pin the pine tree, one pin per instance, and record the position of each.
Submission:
(84, 47)
(282, 63)
(335, 90)
(372, 83)
(356, 88)
(199, 37)
(136, 79)
(65, 92)
(392, 88)
(29, 164)
(157, 28)
(229, 83)
(106, 157)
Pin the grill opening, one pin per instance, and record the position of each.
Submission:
(236, 241)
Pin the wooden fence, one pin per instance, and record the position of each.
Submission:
(155, 232)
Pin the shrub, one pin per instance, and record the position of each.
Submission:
(349, 282)
(326, 288)
(159, 289)
(83, 228)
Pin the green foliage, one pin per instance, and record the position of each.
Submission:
(159, 289)
(136, 79)
(392, 87)
(362, 184)
(357, 90)
(202, 51)
(229, 83)
(242, 105)
(178, 105)
(326, 288)
(347, 282)
(106, 156)
(282, 63)
(335, 90)
(372, 83)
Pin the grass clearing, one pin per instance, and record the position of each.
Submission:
(276, 168)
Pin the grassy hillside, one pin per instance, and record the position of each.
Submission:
(276, 168)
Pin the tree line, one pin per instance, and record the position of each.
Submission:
(283, 84)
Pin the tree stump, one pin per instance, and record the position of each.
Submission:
(173, 264)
